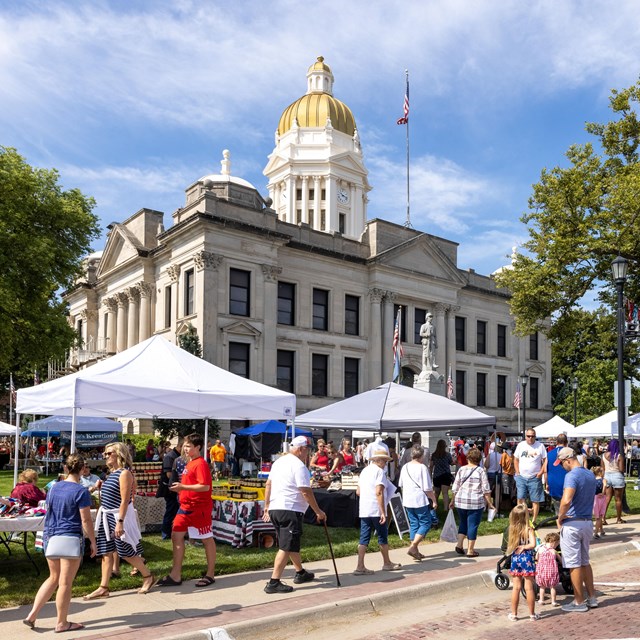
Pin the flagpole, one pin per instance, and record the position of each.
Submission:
(408, 221)
(399, 343)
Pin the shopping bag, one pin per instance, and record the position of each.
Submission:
(450, 529)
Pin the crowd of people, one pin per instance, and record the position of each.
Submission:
(523, 474)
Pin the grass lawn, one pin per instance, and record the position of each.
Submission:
(19, 583)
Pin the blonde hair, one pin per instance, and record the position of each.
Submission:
(122, 453)
(28, 475)
(518, 526)
(552, 537)
(598, 472)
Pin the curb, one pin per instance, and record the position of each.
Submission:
(269, 626)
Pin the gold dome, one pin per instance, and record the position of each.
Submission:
(319, 65)
(313, 109)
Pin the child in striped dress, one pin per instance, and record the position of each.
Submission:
(547, 573)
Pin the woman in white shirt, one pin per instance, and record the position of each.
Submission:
(417, 490)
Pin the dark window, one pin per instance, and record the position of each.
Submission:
(461, 386)
(481, 389)
(403, 323)
(418, 321)
(239, 295)
(461, 333)
(502, 340)
(351, 377)
(533, 392)
(481, 337)
(319, 374)
(342, 222)
(298, 194)
(533, 346)
(286, 303)
(323, 219)
(239, 359)
(352, 315)
(298, 216)
(312, 194)
(167, 307)
(323, 194)
(285, 370)
(321, 309)
(79, 330)
(189, 282)
(502, 391)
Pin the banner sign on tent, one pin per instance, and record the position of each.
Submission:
(89, 439)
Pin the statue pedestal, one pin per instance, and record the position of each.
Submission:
(430, 381)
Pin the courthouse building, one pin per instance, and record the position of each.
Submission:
(299, 289)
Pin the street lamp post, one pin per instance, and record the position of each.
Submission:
(619, 271)
(574, 386)
(524, 379)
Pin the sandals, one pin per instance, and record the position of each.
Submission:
(621, 521)
(205, 581)
(72, 626)
(168, 581)
(460, 551)
(513, 617)
(100, 592)
(534, 617)
(391, 567)
(363, 572)
(473, 554)
(31, 625)
(145, 589)
(416, 555)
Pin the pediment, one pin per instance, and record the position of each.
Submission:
(241, 328)
(121, 247)
(420, 255)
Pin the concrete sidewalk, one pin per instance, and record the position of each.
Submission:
(238, 604)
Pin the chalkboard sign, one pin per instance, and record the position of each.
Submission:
(399, 515)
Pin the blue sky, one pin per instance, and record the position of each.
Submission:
(133, 101)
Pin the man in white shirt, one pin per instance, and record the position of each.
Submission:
(530, 462)
(89, 480)
(287, 494)
(374, 490)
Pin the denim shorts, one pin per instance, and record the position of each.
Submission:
(368, 525)
(615, 479)
(530, 488)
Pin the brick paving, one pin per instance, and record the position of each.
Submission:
(617, 618)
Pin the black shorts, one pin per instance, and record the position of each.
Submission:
(445, 479)
(288, 526)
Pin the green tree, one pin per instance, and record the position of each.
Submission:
(580, 218)
(189, 341)
(45, 231)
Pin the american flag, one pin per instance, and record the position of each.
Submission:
(405, 107)
(449, 385)
(398, 351)
(12, 390)
(516, 398)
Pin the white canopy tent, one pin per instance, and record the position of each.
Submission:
(394, 407)
(7, 429)
(606, 426)
(554, 427)
(156, 379)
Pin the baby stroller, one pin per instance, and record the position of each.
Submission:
(502, 581)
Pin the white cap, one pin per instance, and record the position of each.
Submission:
(300, 441)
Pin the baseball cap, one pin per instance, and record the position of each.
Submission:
(300, 441)
(566, 453)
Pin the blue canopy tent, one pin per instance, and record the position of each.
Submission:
(260, 441)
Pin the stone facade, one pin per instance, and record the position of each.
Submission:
(300, 304)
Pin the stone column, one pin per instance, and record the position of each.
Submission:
(90, 321)
(206, 306)
(133, 320)
(270, 310)
(305, 199)
(331, 204)
(145, 291)
(121, 331)
(388, 325)
(375, 338)
(112, 309)
(451, 339)
(441, 336)
(173, 271)
(291, 199)
(316, 202)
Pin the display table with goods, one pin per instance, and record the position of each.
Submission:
(150, 509)
(237, 514)
(338, 498)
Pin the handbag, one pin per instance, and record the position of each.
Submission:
(450, 529)
(68, 547)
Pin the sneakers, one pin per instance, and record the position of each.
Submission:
(592, 602)
(305, 576)
(574, 606)
(278, 587)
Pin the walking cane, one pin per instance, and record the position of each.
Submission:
(324, 522)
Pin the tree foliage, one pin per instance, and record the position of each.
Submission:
(580, 218)
(45, 231)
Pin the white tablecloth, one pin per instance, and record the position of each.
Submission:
(22, 523)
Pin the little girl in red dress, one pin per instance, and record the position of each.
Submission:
(547, 573)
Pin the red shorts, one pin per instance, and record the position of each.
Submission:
(197, 523)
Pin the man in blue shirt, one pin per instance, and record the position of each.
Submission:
(555, 473)
(574, 522)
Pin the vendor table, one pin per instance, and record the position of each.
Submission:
(341, 508)
(236, 521)
(16, 530)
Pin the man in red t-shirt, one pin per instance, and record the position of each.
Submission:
(194, 514)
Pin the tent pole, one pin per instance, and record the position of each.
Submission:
(73, 431)
(206, 439)
(17, 451)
